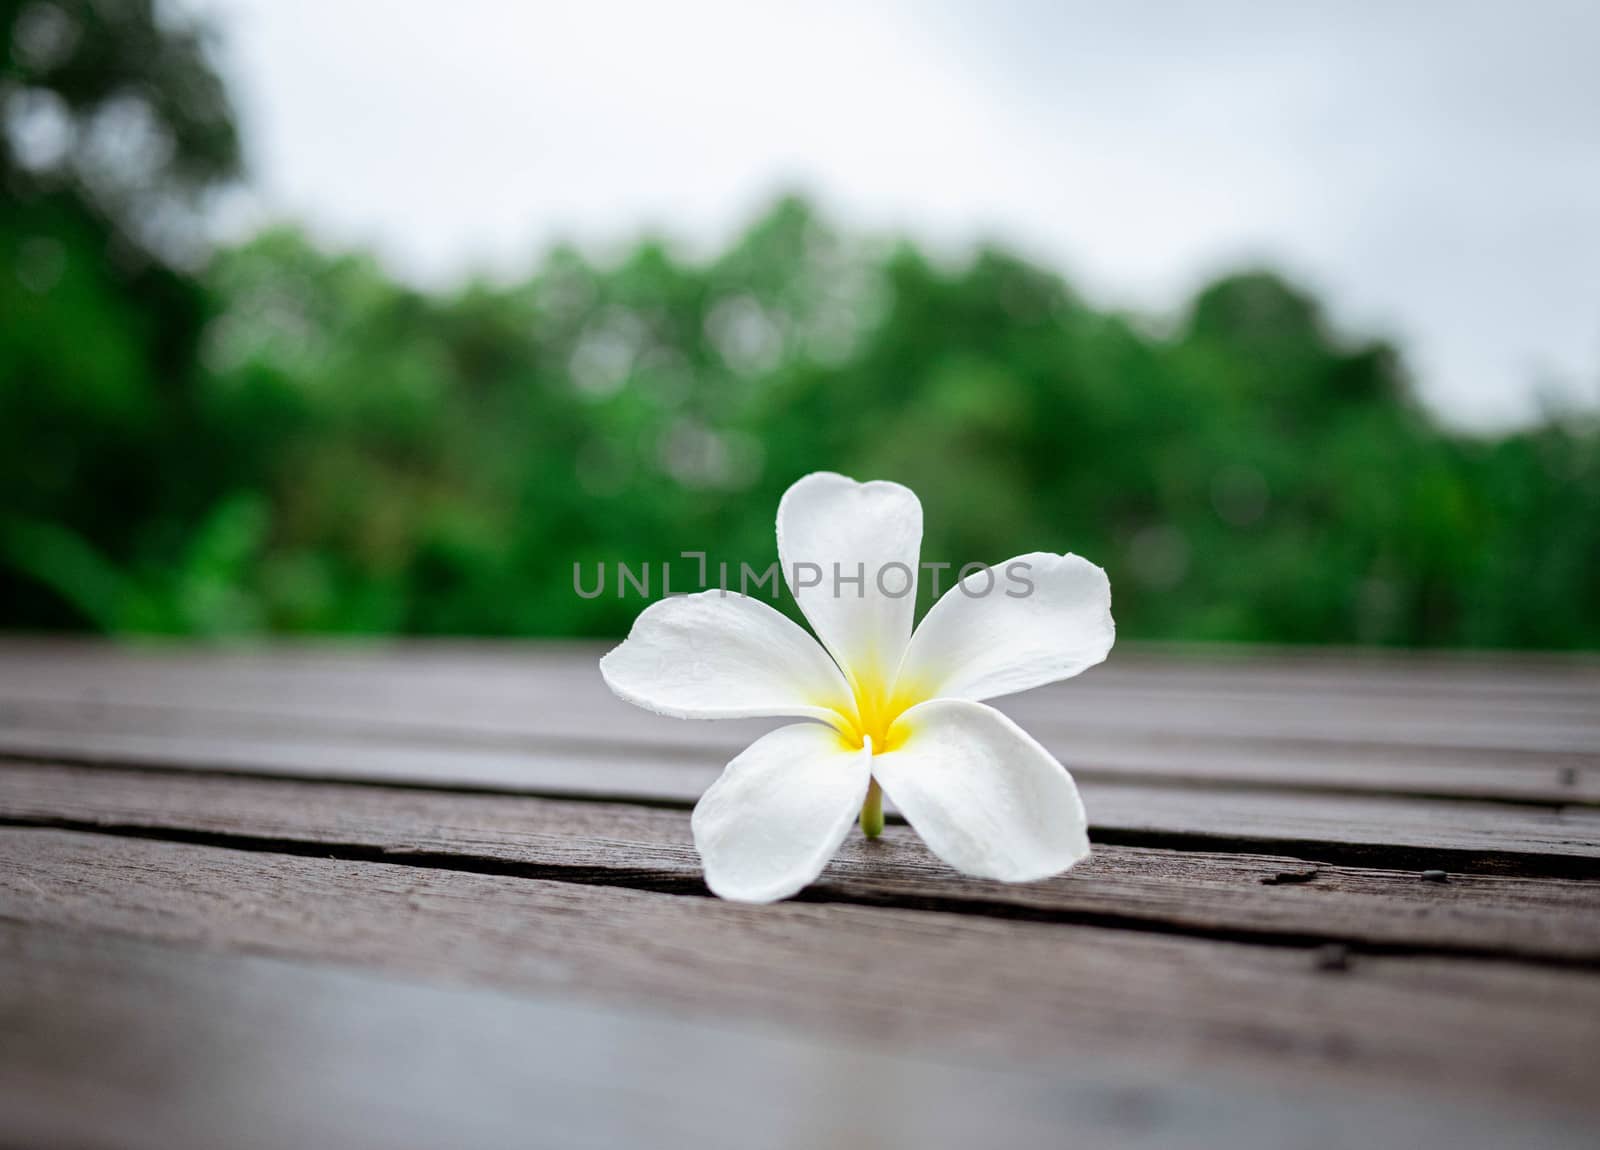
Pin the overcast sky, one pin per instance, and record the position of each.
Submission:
(1433, 169)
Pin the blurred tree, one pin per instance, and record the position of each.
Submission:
(115, 129)
(282, 439)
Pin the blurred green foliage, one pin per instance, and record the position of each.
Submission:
(289, 440)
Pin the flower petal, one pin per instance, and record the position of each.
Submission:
(977, 645)
(779, 811)
(983, 795)
(717, 656)
(829, 524)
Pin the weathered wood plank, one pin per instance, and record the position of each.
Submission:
(1286, 712)
(499, 683)
(943, 984)
(1138, 719)
(1137, 753)
(1262, 898)
(1368, 829)
(1556, 678)
(114, 1043)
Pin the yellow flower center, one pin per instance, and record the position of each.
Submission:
(877, 706)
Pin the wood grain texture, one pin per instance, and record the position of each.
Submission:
(1366, 829)
(344, 895)
(1139, 753)
(947, 984)
(1250, 897)
(1535, 738)
(390, 691)
(115, 1043)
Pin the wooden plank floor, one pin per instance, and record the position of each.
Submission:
(445, 894)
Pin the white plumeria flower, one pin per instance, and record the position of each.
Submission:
(887, 710)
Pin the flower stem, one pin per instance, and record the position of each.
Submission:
(872, 811)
